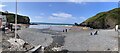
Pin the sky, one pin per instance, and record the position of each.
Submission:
(58, 12)
(60, 0)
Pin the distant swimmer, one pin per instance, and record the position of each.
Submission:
(116, 28)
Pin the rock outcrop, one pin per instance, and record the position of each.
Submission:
(11, 18)
(104, 20)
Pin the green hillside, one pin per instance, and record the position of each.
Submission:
(104, 20)
(21, 19)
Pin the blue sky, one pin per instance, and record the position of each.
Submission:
(59, 12)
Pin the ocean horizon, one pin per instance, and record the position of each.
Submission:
(44, 23)
(52, 26)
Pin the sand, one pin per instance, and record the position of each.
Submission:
(83, 41)
(35, 37)
(80, 40)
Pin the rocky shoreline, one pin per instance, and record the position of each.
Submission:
(7, 46)
(46, 36)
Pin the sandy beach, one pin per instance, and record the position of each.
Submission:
(73, 40)
(77, 40)
(106, 40)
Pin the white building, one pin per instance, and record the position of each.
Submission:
(3, 20)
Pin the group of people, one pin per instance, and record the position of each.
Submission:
(94, 33)
(8, 27)
(66, 30)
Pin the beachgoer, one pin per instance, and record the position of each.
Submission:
(96, 32)
(8, 25)
(11, 25)
(116, 28)
(63, 30)
(3, 29)
(66, 30)
(91, 33)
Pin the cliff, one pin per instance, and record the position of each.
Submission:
(104, 20)
(11, 18)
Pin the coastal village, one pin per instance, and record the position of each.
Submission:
(97, 34)
(67, 39)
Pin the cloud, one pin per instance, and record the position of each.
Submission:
(17, 13)
(61, 16)
(58, 18)
(38, 17)
(1, 6)
(55, 17)
(50, 5)
(76, 1)
(82, 18)
(60, 0)
(42, 13)
(79, 1)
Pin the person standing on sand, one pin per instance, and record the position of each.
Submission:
(96, 32)
(66, 30)
(91, 33)
(63, 30)
(3, 29)
(8, 25)
(116, 28)
(11, 25)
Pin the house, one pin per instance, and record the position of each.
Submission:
(0, 22)
(3, 20)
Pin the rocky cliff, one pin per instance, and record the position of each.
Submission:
(104, 20)
(11, 18)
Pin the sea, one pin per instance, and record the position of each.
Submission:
(52, 26)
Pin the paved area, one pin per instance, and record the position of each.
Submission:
(119, 40)
(106, 40)
(0, 41)
(35, 37)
